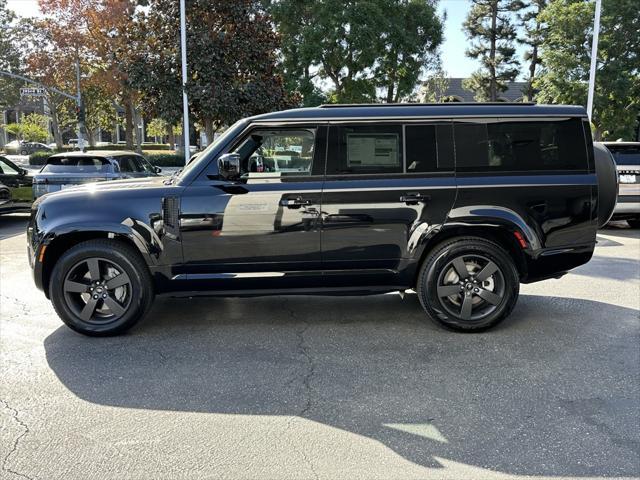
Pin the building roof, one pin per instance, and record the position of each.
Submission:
(514, 92)
(421, 110)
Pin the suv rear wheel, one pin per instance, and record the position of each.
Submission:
(468, 284)
(101, 287)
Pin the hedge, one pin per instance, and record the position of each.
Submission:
(169, 159)
(146, 146)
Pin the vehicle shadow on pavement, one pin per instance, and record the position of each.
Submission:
(12, 225)
(546, 393)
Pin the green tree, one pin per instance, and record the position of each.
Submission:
(490, 27)
(9, 57)
(434, 88)
(33, 128)
(157, 128)
(533, 35)
(566, 53)
(232, 60)
(100, 112)
(412, 34)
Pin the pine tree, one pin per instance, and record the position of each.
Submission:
(533, 36)
(489, 25)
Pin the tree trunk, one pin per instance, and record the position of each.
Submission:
(128, 129)
(493, 95)
(171, 137)
(208, 130)
(57, 136)
(532, 72)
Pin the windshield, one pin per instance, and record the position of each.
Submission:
(77, 165)
(627, 155)
(204, 156)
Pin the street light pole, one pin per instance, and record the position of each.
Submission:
(80, 108)
(185, 102)
(594, 56)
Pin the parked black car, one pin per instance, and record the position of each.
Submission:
(16, 193)
(460, 202)
(627, 157)
(70, 169)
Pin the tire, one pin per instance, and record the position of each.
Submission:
(469, 307)
(634, 222)
(107, 308)
(23, 152)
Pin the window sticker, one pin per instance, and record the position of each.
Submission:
(369, 150)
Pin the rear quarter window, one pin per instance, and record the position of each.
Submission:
(625, 155)
(517, 146)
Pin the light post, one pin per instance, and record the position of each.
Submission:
(594, 56)
(185, 102)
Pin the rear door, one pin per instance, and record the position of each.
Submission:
(386, 186)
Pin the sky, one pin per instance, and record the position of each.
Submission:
(454, 61)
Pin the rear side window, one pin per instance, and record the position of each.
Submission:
(365, 149)
(77, 165)
(506, 146)
(429, 148)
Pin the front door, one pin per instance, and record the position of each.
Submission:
(238, 234)
(387, 185)
(18, 183)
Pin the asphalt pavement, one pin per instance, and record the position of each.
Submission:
(304, 387)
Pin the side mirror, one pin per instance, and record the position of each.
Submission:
(23, 172)
(229, 166)
(157, 169)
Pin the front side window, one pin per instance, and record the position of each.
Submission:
(277, 152)
(365, 149)
(520, 146)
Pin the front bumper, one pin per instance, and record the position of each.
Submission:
(627, 205)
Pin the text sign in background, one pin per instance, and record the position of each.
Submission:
(32, 92)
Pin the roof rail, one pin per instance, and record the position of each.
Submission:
(448, 104)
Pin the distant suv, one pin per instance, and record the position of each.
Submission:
(70, 169)
(461, 203)
(627, 157)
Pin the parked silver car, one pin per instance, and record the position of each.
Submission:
(70, 169)
(627, 157)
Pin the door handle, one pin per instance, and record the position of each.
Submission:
(413, 198)
(294, 202)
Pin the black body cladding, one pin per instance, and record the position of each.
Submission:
(347, 199)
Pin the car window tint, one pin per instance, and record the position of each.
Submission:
(77, 165)
(127, 164)
(625, 155)
(277, 152)
(520, 146)
(6, 169)
(429, 148)
(365, 149)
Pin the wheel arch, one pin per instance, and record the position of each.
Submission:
(502, 236)
(62, 242)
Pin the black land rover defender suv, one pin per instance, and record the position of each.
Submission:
(460, 202)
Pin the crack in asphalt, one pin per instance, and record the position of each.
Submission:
(303, 350)
(14, 447)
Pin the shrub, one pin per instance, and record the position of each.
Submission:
(149, 146)
(39, 158)
(165, 159)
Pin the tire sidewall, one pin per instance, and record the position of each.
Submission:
(138, 292)
(429, 284)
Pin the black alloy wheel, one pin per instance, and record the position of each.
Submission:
(97, 290)
(101, 287)
(468, 284)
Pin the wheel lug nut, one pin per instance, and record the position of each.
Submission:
(104, 295)
(95, 297)
(476, 290)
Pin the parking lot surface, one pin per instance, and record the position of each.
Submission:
(322, 388)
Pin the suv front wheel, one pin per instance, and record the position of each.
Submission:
(101, 287)
(468, 284)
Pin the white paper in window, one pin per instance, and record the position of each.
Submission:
(366, 150)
